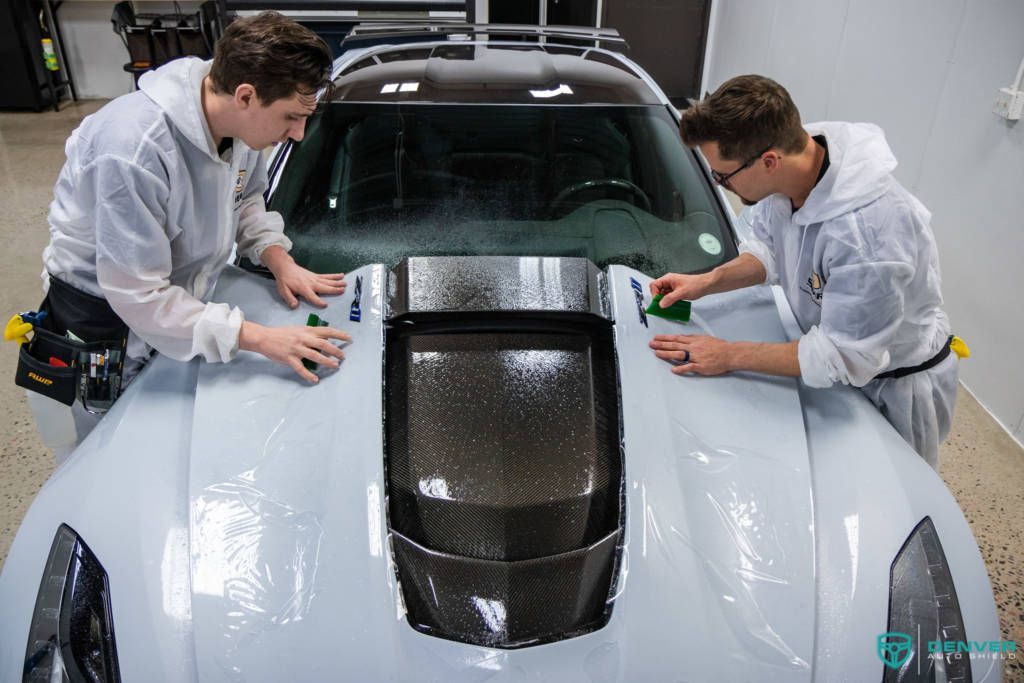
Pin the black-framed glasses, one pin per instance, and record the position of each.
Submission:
(723, 178)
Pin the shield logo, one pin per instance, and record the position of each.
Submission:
(239, 185)
(894, 648)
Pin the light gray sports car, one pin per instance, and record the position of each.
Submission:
(502, 482)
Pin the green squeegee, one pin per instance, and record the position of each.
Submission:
(679, 311)
(313, 321)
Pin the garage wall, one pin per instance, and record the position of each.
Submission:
(94, 52)
(927, 72)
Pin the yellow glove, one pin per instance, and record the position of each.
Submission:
(960, 348)
(17, 329)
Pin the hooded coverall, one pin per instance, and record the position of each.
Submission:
(146, 213)
(860, 269)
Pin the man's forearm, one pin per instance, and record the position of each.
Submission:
(250, 336)
(274, 256)
(770, 359)
(743, 271)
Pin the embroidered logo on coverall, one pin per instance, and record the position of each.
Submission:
(239, 185)
(816, 285)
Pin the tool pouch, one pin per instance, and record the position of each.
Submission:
(63, 368)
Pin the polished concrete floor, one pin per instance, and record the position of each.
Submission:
(981, 464)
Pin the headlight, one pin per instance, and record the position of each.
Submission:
(923, 606)
(72, 633)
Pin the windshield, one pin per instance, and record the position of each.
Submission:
(375, 183)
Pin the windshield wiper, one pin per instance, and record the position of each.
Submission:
(337, 169)
(399, 157)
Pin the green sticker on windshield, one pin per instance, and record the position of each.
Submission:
(710, 243)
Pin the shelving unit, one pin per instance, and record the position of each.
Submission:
(26, 83)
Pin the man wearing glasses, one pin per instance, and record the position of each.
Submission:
(851, 248)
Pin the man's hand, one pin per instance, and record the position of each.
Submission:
(743, 271)
(675, 287)
(290, 345)
(295, 281)
(703, 355)
(698, 354)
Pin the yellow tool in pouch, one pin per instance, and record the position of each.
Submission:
(21, 324)
(959, 347)
(17, 329)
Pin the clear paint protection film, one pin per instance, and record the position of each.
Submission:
(303, 566)
(285, 494)
(720, 539)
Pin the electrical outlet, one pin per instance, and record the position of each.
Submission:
(1009, 104)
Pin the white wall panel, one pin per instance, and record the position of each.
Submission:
(745, 31)
(972, 178)
(805, 47)
(896, 54)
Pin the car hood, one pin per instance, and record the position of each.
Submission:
(289, 550)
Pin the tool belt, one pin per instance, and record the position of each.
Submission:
(76, 351)
(927, 365)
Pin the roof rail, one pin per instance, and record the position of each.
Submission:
(427, 29)
(338, 5)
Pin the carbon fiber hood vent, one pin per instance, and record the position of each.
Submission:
(504, 466)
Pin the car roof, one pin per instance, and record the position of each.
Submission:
(492, 73)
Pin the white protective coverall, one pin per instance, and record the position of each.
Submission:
(146, 214)
(860, 269)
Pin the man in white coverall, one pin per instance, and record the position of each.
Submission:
(850, 247)
(159, 186)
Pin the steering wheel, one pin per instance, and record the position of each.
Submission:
(618, 183)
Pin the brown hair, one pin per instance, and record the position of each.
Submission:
(274, 54)
(745, 116)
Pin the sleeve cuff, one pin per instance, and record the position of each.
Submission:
(822, 364)
(256, 255)
(762, 253)
(215, 335)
